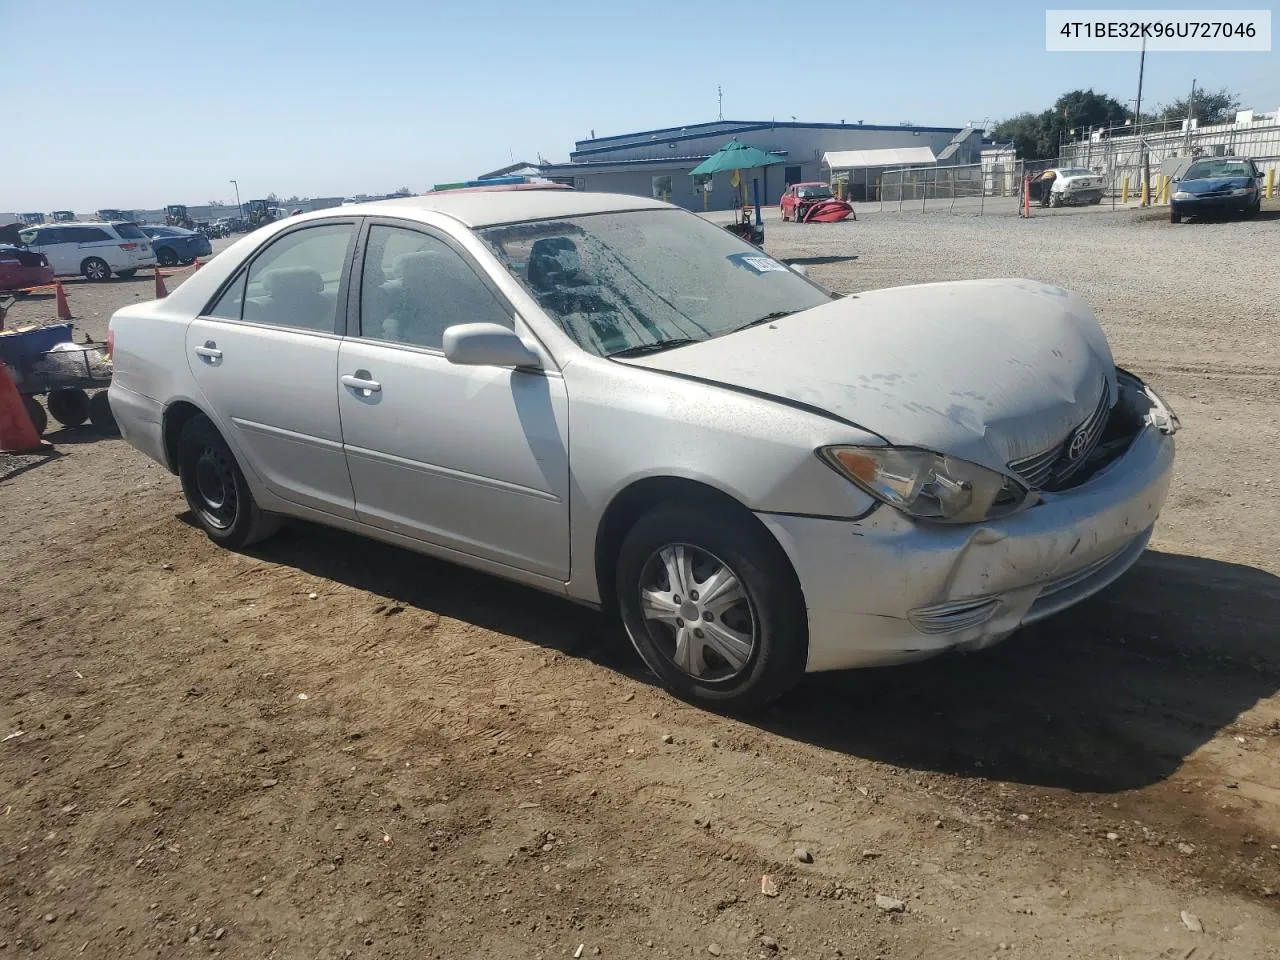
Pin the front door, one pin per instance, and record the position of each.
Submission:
(473, 459)
(265, 356)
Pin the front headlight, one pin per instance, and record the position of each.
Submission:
(927, 485)
(1183, 195)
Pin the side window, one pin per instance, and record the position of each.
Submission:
(294, 282)
(89, 234)
(230, 306)
(415, 285)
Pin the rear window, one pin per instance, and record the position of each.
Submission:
(130, 231)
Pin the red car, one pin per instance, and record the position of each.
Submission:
(813, 202)
(20, 268)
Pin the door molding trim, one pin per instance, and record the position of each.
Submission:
(450, 474)
(254, 427)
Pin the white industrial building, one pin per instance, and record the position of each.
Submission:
(658, 162)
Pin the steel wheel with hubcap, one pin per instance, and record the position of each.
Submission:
(96, 269)
(215, 488)
(712, 604)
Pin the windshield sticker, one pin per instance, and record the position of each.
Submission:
(756, 263)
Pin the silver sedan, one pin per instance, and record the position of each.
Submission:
(614, 400)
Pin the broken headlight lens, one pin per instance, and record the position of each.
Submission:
(927, 485)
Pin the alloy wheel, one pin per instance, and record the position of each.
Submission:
(697, 612)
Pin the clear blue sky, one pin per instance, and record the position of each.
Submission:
(140, 105)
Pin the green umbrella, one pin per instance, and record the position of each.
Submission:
(736, 155)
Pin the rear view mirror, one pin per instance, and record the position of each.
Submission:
(488, 345)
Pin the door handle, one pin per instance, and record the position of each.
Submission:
(360, 381)
(209, 351)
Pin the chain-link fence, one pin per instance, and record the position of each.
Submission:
(995, 185)
(1117, 153)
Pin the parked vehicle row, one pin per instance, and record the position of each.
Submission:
(730, 485)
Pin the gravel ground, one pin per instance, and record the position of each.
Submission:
(330, 748)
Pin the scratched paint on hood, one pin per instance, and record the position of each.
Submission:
(987, 370)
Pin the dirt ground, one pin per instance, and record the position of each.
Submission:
(330, 748)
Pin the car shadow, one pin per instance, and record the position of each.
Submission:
(16, 464)
(449, 590)
(1111, 695)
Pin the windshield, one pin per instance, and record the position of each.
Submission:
(1207, 169)
(615, 282)
(813, 193)
(129, 231)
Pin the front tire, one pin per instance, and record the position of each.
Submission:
(712, 605)
(216, 490)
(96, 269)
(1174, 216)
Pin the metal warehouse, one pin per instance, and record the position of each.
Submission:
(657, 163)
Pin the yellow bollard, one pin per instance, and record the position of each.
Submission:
(1164, 193)
(1271, 182)
(1146, 193)
(1124, 190)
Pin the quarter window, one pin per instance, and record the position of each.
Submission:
(295, 281)
(416, 285)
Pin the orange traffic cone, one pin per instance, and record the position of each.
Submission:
(161, 292)
(17, 432)
(64, 308)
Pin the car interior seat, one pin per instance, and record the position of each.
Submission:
(296, 299)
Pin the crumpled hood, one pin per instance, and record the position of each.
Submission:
(1212, 184)
(988, 370)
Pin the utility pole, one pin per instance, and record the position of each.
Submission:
(1137, 118)
(719, 103)
(1191, 112)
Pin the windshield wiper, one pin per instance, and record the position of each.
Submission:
(657, 346)
(776, 315)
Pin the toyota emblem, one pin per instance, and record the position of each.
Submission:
(1075, 449)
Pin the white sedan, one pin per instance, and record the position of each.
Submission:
(614, 400)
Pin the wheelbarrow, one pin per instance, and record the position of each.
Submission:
(72, 376)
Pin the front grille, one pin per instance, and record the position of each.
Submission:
(1054, 467)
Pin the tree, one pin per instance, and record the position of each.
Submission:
(1210, 106)
(214, 203)
(1038, 136)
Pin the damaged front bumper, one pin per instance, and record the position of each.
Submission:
(887, 589)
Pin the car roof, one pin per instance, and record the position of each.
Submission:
(812, 183)
(483, 208)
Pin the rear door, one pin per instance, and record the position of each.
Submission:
(473, 459)
(59, 248)
(265, 356)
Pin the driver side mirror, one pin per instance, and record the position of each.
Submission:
(488, 345)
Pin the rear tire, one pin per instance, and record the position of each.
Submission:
(100, 415)
(70, 407)
(216, 490)
(39, 419)
(167, 257)
(750, 591)
(96, 269)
